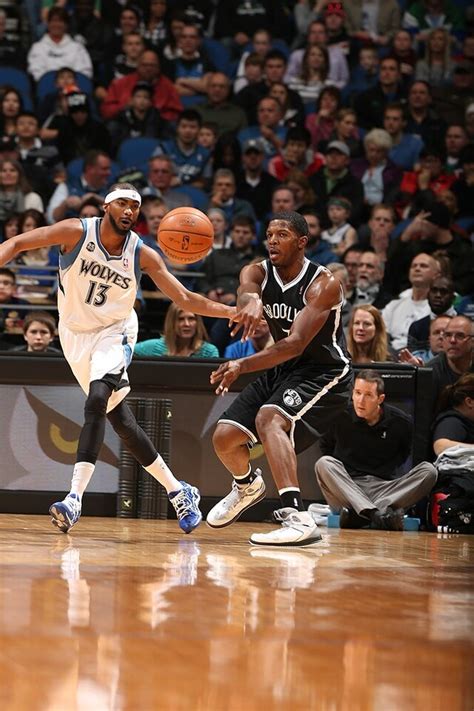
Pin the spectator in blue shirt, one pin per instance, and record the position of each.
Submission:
(406, 147)
(188, 156)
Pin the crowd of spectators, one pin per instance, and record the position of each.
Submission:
(360, 115)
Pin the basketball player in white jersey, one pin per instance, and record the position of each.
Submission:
(305, 387)
(99, 272)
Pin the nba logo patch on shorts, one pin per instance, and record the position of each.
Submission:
(291, 398)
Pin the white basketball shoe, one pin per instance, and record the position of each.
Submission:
(298, 528)
(241, 498)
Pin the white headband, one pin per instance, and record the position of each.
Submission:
(123, 193)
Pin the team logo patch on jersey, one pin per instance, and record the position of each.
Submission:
(292, 398)
(125, 263)
(90, 246)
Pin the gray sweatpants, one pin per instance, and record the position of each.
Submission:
(370, 492)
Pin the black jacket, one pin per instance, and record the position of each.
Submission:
(377, 450)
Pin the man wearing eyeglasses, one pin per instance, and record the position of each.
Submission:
(457, 356)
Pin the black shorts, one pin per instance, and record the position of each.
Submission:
(311, 399)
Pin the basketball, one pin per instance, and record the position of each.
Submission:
(185, 235)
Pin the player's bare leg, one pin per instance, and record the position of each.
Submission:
(298, 526)
(231, 446)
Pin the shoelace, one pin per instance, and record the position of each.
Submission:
(182, 503)
(74, 505)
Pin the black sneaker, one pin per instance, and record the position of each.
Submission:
(348, 518)
(391, 520)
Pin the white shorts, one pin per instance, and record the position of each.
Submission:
(94, 354)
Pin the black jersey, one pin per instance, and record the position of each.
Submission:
(283, 302)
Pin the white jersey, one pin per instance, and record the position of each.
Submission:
(97, 289)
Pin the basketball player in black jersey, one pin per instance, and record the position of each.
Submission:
(305, 386)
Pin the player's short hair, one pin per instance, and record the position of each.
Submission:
(296, 221)
(371, 376)
(121, 186)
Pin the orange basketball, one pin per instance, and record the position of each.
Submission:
(185, 235)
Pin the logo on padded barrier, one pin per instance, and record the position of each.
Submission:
(292, 398)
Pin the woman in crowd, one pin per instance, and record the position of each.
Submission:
(219, 222)
(314, 74)
(15, 192)
(436, 68)
(322, 123)
(10, 226)
(452, 501)
(301, 188)
(184, 336)
(37, 266)
(10, 106)
(292, 115)
(345, 130)
(367, 335)
(379, 176)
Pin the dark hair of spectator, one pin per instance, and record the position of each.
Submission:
(41, 317)
(371, 376)
(190, 115)
(329, 91)
(228, 152)
(275, 54)
(298, 133)
(296, 221)
(455, 394)
(305, 67)
(90, 158)
(243, 221)
(6, 272)
(22, 183)
(59, 13)
(37, 216)
(30, 114)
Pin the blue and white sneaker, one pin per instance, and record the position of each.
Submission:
(186, 504)
(65, 514)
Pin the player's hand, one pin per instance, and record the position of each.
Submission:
(225, 375)
(248, 317)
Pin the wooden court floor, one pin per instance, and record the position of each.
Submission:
(133, 615)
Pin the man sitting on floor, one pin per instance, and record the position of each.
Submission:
(362, 454)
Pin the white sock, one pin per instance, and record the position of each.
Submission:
(162, 473)
(237, 477)
(81, 476)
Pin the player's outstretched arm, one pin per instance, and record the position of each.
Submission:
(321, 297)
(66, 233)
(249, 304)
(153, 265)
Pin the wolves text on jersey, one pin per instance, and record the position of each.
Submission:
(102, 271)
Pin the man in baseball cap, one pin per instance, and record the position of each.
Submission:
(335, 180)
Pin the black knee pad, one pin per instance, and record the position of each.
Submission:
(96, 402)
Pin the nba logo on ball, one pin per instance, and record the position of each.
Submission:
(292, 398)
(185, 235)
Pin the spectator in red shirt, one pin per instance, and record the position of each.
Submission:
(296, 153)
(165, 96)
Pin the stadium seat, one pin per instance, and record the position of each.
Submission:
(10, 76)
(136, 152)
(46, 85)
(218, 54)
(199, 198)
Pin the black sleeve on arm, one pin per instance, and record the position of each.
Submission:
(450, 427)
